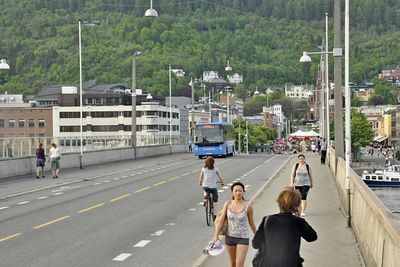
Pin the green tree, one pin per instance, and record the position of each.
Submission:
(356, 101)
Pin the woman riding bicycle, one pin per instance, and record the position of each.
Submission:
(208, 180)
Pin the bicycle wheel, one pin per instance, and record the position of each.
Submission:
(209, 209)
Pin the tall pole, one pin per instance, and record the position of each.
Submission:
(327, 131)
(337, 72)
(170, 111)
(348, 109)
(247, 139)
(227, 105)
(239, 149)
(133, 94)
(80, 95)
(209, 106)
(193, 133)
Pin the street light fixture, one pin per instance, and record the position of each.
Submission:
(228, 90)
(4, 65)
(133, 96)
(151, 12)
(178, 73)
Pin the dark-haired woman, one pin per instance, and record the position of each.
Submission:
(239, 214)
(279, 235)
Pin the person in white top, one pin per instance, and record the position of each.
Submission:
(208, 180)
(54, 158)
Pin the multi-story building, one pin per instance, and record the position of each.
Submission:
(391, 74)
(298, 91)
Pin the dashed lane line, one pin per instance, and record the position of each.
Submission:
(143, 189)
(51, 222)
(44, 197)
(160, 183)
(10, 236)
(174, 178)
(91, 208)
(141, 243)
(121, 197)
(3, 208)
(122, 257)
(23, 202)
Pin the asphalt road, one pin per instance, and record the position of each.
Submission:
(132, 216)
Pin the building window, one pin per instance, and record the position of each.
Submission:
(21, 123)
(41, 123)
(1, 123)
(31, 123)
(11, 123)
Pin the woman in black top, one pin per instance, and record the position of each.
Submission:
(40, 160)
(279, 234)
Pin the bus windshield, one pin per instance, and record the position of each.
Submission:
(209, 134)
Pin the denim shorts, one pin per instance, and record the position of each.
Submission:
(213, 191)
(234, 241)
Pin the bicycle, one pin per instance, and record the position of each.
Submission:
(209, 207)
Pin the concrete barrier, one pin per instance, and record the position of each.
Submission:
(11, 167)
(376, 229)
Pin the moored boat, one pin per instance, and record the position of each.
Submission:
(389, 177)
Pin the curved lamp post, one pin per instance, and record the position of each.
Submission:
(4, 65)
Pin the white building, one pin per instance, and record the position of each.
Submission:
(298, 91)
(115, 121)
(235, 78)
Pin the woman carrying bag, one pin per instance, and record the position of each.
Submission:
(239, 214)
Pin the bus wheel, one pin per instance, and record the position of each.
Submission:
(200, 157)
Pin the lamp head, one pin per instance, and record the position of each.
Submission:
(305, 58)
(4, 65)
(151, 12)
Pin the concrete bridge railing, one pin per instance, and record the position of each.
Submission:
(376, 229)
(26, 165)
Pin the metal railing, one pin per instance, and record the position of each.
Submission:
(26, 146)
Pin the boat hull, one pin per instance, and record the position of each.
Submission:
(374, 183)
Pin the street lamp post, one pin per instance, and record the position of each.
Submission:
(228, 89)
(80, 95)
(133, 95)
(178, 73)
(347, 109)
(4, 65)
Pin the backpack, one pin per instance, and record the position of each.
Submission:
(297, 166)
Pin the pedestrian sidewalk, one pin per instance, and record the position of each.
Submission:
(335, 246)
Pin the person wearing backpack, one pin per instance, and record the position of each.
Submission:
(301, 179)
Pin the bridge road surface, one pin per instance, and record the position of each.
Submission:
(133, 213)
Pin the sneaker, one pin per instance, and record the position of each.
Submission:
(42, 176)
(54, 177)
(214, 217)
(37, 177)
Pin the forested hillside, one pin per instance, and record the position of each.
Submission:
(263, 39)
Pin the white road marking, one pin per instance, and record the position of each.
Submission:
(200, 204)
(221, 191)
(225, 187)
(5, 207)
(123, 177)
(141, 244)
(43, 197)
(59, 193)
(133, 174)
(158, 233)
(116, 179)
(107, 181)
(247, 185)
(97, 183)
(122, 257)
(170, 224)
(192, 209)
(23, 202)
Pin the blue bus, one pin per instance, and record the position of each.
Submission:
(214, 139)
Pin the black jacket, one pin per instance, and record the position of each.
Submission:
(281, 239)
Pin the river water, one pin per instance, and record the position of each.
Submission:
(390, 196)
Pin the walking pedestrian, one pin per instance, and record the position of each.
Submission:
(190, 145)
(279, 235)
(301, 179)
(54, 158)
(40, 161)
(239, 214)
(323, 151)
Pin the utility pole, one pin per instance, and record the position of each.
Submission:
(337, 73)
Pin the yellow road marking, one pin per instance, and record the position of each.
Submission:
(92, 207)
(118, 198)
(9, 237)
(160, 183)
(174, 178)
(195, 171)
(186, 174)
(56, 220)
(141, 190)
